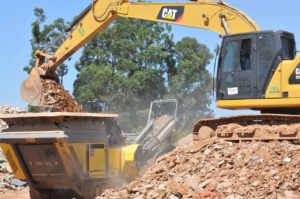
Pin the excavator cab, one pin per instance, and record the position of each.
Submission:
(248, 61)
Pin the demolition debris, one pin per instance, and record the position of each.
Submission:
(7, 178)
(218, 169)
(58, 98)
(7, 109)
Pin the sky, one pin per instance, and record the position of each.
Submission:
(17, 16)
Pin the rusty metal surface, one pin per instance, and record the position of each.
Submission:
(253, 127)
(76, 127)
(32, 137)
(32, 89)
(58, 114)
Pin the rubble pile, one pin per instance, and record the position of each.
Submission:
(7, 109)
(7, 179)
(58, 98)
(218, 169)
(2, 125)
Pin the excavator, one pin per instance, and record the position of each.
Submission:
(257, 70)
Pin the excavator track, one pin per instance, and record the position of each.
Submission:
(263, 127)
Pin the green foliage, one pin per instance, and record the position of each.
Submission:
(42, 36)
(36, 109)
(134, 62)
(191, 83)
(120, 58)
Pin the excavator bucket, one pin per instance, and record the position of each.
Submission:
(32, 89)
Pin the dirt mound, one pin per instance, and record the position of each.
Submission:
(220, 169)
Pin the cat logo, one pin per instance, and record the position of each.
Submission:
(295, 76)
(297, 73)
(171, 13)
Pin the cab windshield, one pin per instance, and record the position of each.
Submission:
(288, 51)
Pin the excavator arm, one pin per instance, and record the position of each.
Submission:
(205, 14)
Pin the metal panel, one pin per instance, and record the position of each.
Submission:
(31, 137)
(44, 164)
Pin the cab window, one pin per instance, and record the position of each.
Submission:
(237, 55)
(231, 49)
(245, 54)
(288, 50)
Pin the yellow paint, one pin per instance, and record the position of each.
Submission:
(274, 89)
(204, 15)
(97, 159)
(288, 67)
(128, 162)
(259, 103)
(121, 162)
(80, 154)
(114, 162)
(13, 161)
(280, 81)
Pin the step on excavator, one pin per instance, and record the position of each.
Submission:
(256, 70)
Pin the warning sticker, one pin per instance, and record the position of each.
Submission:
(233, 91)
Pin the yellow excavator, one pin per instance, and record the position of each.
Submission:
(256, 70)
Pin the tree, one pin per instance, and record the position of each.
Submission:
(191, 82)
(124, 67)
(129, 53)
(42, 36)
(134, 62)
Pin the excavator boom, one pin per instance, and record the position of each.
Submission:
(215, 16)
